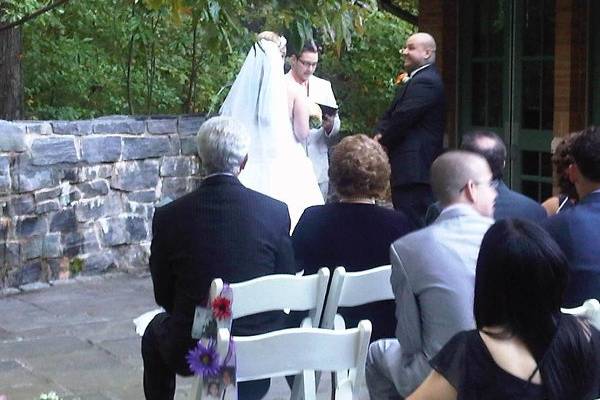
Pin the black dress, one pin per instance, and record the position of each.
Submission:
(357, 237)
(467, 364)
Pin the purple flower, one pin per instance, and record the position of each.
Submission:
(203, 360)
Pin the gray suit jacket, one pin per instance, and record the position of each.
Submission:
(433, 276)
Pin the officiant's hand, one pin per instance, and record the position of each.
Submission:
(328, 121)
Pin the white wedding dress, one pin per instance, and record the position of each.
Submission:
(277, 163)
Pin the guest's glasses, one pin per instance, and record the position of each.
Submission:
(492, 184)
(308, 64)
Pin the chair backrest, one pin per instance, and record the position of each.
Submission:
(350, 289)
(590, 310)
(270, 293)
(292, 351)
(277, 292)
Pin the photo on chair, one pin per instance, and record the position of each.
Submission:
(213, 390)
(220, 387)
(205, 324)
(229, 389)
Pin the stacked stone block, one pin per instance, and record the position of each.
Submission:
(77, 197)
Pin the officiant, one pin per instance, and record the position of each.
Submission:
(302, 67)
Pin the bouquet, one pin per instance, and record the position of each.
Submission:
(315, 113)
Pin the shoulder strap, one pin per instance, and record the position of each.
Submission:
(526, 386)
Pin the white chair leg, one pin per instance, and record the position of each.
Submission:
(297, 388)
(196, 388)
(310, 389)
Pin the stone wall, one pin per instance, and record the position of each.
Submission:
(77, 197)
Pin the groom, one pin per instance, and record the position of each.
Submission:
(412, 129)
(303, 65)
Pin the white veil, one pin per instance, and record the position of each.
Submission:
(277, 164)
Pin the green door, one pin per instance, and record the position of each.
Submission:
(506, 83)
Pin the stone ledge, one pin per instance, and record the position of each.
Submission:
(12, 137)
(60, 179)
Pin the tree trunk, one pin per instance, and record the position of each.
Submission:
(11, 82)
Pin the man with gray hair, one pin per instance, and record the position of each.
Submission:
(433, 276)
(220, 230)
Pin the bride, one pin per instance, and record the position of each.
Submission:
(277, 118)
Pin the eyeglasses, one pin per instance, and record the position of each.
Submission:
(308, 64)
(492, 184)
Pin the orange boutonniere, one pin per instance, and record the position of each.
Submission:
(401, 78)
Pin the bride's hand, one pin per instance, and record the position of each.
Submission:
(315, 115)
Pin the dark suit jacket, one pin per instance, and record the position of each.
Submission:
(357, 237)
(412, 128)
(577, 232)
(221, 230)
(511, 204)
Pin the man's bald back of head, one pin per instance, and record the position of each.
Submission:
(451, 171)
(425, 39)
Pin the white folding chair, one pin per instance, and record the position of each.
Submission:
(278, 292)
(351, 289)
(274, 292)
(296, 350)
(590, 310)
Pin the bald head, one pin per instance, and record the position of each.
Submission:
(418, 51)
(425, 39)
(451, 171)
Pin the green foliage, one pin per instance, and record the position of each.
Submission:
(12, 10)
(363, 77)
(76, 266)
(113, 57)
(102, 57)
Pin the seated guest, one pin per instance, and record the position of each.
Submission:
(355, 232)
(567, 195)
(433, 273)
(220, 230)
(523, 347)
(577, 230)
(509, 204)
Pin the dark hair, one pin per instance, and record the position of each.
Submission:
(495, 155)
(309, 45)
(561, 159)
(585, 149)
(359, 167)
(520, 279)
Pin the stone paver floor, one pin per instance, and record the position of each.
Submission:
(77, 339)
